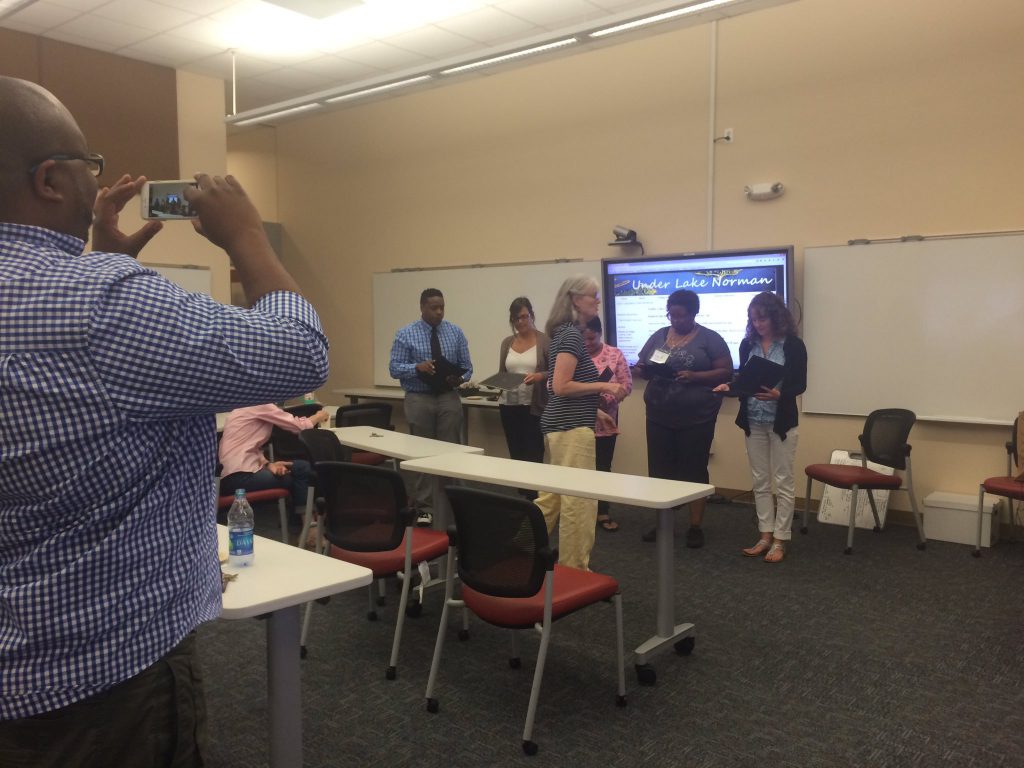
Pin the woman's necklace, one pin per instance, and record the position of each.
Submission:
(674, 340)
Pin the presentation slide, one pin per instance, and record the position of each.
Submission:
(636, 292)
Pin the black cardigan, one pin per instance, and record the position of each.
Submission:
(794, 382)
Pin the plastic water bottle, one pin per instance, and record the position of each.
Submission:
(240, 531)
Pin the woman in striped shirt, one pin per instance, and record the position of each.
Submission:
(570, 413)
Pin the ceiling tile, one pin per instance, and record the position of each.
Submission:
(82, 6)
(173, 48)
(108, 34)
(336, 68)
(205, 31)
(44, 15)
(489, 26)
(198, 6)
(85, 42)
(145, 14)
(432, 42)
(289, 77)
(551, 15)
(245, 65)
(383, 56)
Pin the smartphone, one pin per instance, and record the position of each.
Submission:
(166, 199)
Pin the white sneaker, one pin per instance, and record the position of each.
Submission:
(424, 519)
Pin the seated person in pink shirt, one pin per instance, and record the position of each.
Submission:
(241, 456)
(606, 429)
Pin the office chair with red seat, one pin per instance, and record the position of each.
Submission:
(510, 579)
(883, 441)
(366, 520)
(365, 415)
(1006, 485)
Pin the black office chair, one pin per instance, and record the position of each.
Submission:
(883, 441)
(365, 415)
(510, 579)
(366, 520)
(285, 445)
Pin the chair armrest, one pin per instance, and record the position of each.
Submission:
(453, 536)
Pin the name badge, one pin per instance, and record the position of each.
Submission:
(659, 356)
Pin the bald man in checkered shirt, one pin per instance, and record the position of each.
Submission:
(110, 377)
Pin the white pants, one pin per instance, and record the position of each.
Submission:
(771, 459)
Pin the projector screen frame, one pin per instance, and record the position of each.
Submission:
(704, 262)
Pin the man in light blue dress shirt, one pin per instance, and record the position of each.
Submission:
(422, 357)
(110, 377)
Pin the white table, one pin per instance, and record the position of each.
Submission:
(398, 444)
(281, 579)
(403, 447)
(650, 492)
(354, 394)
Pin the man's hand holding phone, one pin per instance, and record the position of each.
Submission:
(106, 234)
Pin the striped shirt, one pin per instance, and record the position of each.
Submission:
(564, 413)
(412, 346)
(110, 377)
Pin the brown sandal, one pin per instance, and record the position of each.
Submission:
(606, 522)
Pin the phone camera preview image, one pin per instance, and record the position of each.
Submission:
(166, 200)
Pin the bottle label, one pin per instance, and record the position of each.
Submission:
(240, 542)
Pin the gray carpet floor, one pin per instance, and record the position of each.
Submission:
(888, 657)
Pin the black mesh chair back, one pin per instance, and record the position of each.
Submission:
(364, 507)
(322, 445)
(364, 415)
(885, 436)
(502, 542)
(286, 445)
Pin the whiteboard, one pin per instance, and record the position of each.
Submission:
(476, 299)
(932, 325)
(194, 279)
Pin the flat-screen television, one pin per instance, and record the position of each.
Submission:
(636, 289)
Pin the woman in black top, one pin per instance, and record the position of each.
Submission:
(682, 363)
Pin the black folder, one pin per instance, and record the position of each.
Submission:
(438, 381)
(758, 372)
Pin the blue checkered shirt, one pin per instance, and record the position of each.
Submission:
(412, 346)
(110, 377)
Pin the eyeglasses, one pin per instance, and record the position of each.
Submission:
(92, 161)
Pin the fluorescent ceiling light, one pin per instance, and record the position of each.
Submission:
(377, 89)
(279, 113)
(696, 8)
(510, 56)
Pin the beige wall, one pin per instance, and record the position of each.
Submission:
(202, 146)
(881, 118)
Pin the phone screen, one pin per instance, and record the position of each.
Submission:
(166, 200)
